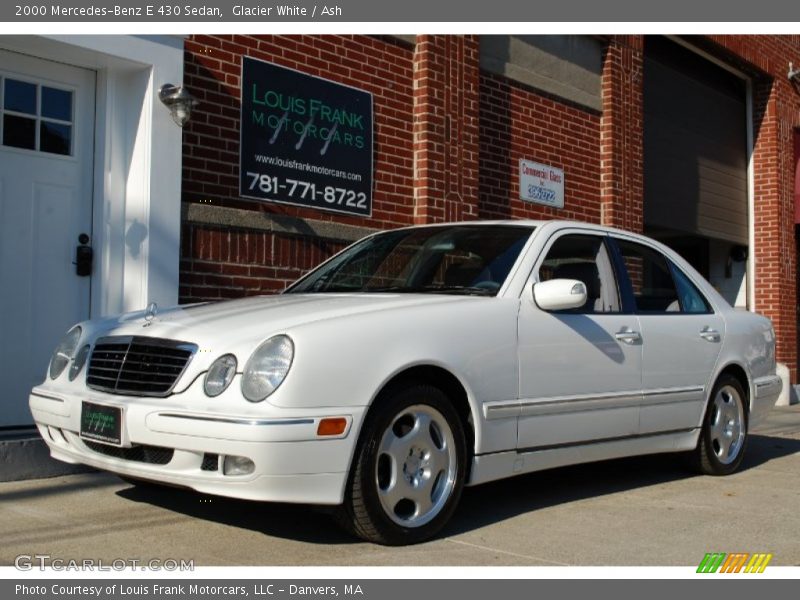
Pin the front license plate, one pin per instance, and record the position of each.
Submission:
(101, 423)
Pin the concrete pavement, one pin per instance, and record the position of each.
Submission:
(642, 511)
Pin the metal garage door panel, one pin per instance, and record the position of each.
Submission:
(695, 147)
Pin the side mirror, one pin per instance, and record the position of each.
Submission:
(559, 294)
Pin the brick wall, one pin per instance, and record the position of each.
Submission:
(222, 262)
(776, 116)
(621, 136)
(517, 122)
(448, 139)
(446, 128)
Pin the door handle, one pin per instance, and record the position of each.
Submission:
(628, 336)
(84, 256)
(710, 335)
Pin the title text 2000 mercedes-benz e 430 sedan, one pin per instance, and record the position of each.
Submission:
(413, 363)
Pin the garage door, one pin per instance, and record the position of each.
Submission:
(695, 144)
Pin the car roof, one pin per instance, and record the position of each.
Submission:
(560, 223)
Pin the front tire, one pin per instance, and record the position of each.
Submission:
(408, 470)
(723, 438)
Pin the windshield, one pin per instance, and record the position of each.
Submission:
(458, 259)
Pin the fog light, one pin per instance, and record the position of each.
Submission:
(238, 465)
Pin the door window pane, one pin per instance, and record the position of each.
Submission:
(692, 301)
(19, 96)
(585, 258)
(55, 138)
(51, 117)
(56, 104)
(19, 132)
(653, 287)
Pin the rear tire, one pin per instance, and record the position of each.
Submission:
(408, 470)
(723, 438)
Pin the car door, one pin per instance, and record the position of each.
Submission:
(681, 338)
(580, 370)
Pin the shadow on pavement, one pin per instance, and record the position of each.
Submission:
(289, 521)
(480, 506)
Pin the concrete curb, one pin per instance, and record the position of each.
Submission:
(29, 458)
(789, 393)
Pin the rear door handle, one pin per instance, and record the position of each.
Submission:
(710, 335)
(628, 336)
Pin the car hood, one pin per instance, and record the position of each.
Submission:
(250, 320)
(239, 326)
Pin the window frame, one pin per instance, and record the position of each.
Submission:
(38, 118)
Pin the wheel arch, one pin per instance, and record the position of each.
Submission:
(444, 379)
(740, 373)
(358, 510)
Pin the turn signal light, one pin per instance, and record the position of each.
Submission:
(333, 426)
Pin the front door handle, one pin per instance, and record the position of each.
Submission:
(710, 335)
(628, 336)
(84, 256)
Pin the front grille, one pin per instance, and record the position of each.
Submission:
(139, 366)
(153, 455)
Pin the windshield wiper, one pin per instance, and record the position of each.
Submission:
(432, 289)
(459, 289)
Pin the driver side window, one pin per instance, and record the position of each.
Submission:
(585, 258)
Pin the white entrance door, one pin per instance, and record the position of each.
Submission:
(46, 157)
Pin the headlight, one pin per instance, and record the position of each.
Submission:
(267, 368)
(64, 352)
(78, 362)
(220, 375)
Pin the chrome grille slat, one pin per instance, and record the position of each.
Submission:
(146, 360)
(137, 365)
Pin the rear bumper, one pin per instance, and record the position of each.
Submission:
(168, 444)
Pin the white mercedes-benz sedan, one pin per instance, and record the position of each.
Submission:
(413, 363)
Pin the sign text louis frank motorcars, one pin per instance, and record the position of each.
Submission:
(540, 183)
(304, 140)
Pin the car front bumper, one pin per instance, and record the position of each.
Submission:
(165, 442)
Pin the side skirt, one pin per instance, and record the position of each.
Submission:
(499, 465)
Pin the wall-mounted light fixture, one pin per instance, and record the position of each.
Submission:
(179, 102)
(794, 77)
(737, 254)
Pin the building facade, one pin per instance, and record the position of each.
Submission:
(692, 140)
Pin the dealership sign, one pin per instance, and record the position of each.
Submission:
(540, 183)
(305, 140)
